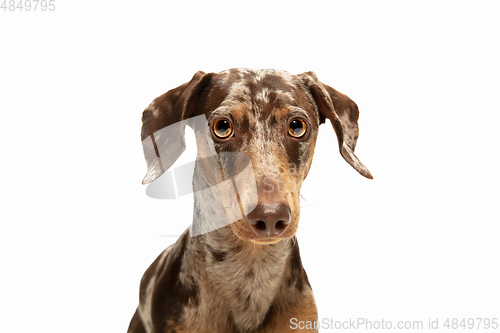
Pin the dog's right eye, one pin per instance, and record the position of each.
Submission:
(222, 128)
(297, 128)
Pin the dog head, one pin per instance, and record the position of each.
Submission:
(270, 119)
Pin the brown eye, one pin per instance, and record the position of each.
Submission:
(297, 128)
(222, 128)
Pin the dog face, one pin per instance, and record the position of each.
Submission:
(270, 116)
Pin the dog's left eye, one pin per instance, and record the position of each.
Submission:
(297, 128)
(222, 128)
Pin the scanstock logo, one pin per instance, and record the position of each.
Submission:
(223, 184)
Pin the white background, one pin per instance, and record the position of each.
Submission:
(419, 241)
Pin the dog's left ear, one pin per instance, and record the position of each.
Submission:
(343, 113)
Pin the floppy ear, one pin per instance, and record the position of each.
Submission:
(343, 114)
(164, 122)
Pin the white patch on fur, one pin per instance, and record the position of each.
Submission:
(145, 307)
(285, 94)
(237, 89)
(261, 73)
(263, 95)
(153, 109)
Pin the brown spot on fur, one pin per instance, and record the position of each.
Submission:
(170, 294)
(250, 274)
(239, 113)
(217, 255)
(298, 276)
(270, 316)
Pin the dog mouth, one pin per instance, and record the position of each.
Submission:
(266, 241)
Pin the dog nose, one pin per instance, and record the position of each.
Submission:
(270, 220)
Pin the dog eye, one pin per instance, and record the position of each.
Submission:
(222, 128)
(297, 128)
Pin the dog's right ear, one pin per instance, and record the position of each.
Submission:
(164, 122)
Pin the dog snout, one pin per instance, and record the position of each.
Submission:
(270, 220)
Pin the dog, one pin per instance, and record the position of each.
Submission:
(244, 274)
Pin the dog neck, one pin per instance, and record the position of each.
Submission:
(245, 277)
